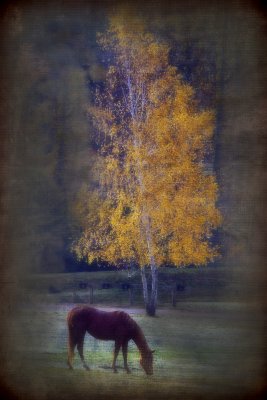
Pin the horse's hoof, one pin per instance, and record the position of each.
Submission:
(87, 368)
(115, 371)
(128, 371)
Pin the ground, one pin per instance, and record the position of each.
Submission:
(204, 350)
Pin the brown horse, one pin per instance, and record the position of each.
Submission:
(114, 325)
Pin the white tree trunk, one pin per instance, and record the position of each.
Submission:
(144, 283)
(149, 298)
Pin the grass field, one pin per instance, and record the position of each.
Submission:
(204, 350)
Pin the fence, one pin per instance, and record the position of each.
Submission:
(132, 289)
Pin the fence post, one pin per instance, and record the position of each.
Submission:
(174, 296)
(91, 295)
(130, 290)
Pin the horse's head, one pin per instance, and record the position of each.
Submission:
(146, 362)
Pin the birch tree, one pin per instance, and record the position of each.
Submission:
(154, 202)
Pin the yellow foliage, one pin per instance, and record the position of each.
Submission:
(155, 200)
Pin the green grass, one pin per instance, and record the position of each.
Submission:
(205, 350)
(206, 347)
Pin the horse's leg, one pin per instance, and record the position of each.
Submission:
(70, 356)
(80, 350)
(124, 352)
(71, 346)
(116, 352)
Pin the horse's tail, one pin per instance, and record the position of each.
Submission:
(71, 339)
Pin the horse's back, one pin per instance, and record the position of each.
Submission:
(105, 325)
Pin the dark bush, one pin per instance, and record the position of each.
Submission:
(180, 287)
(106, 286)
(125, 286)
(83, 285)
(53, 289)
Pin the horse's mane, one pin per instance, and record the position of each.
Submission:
(137, 333)
(129, 321)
